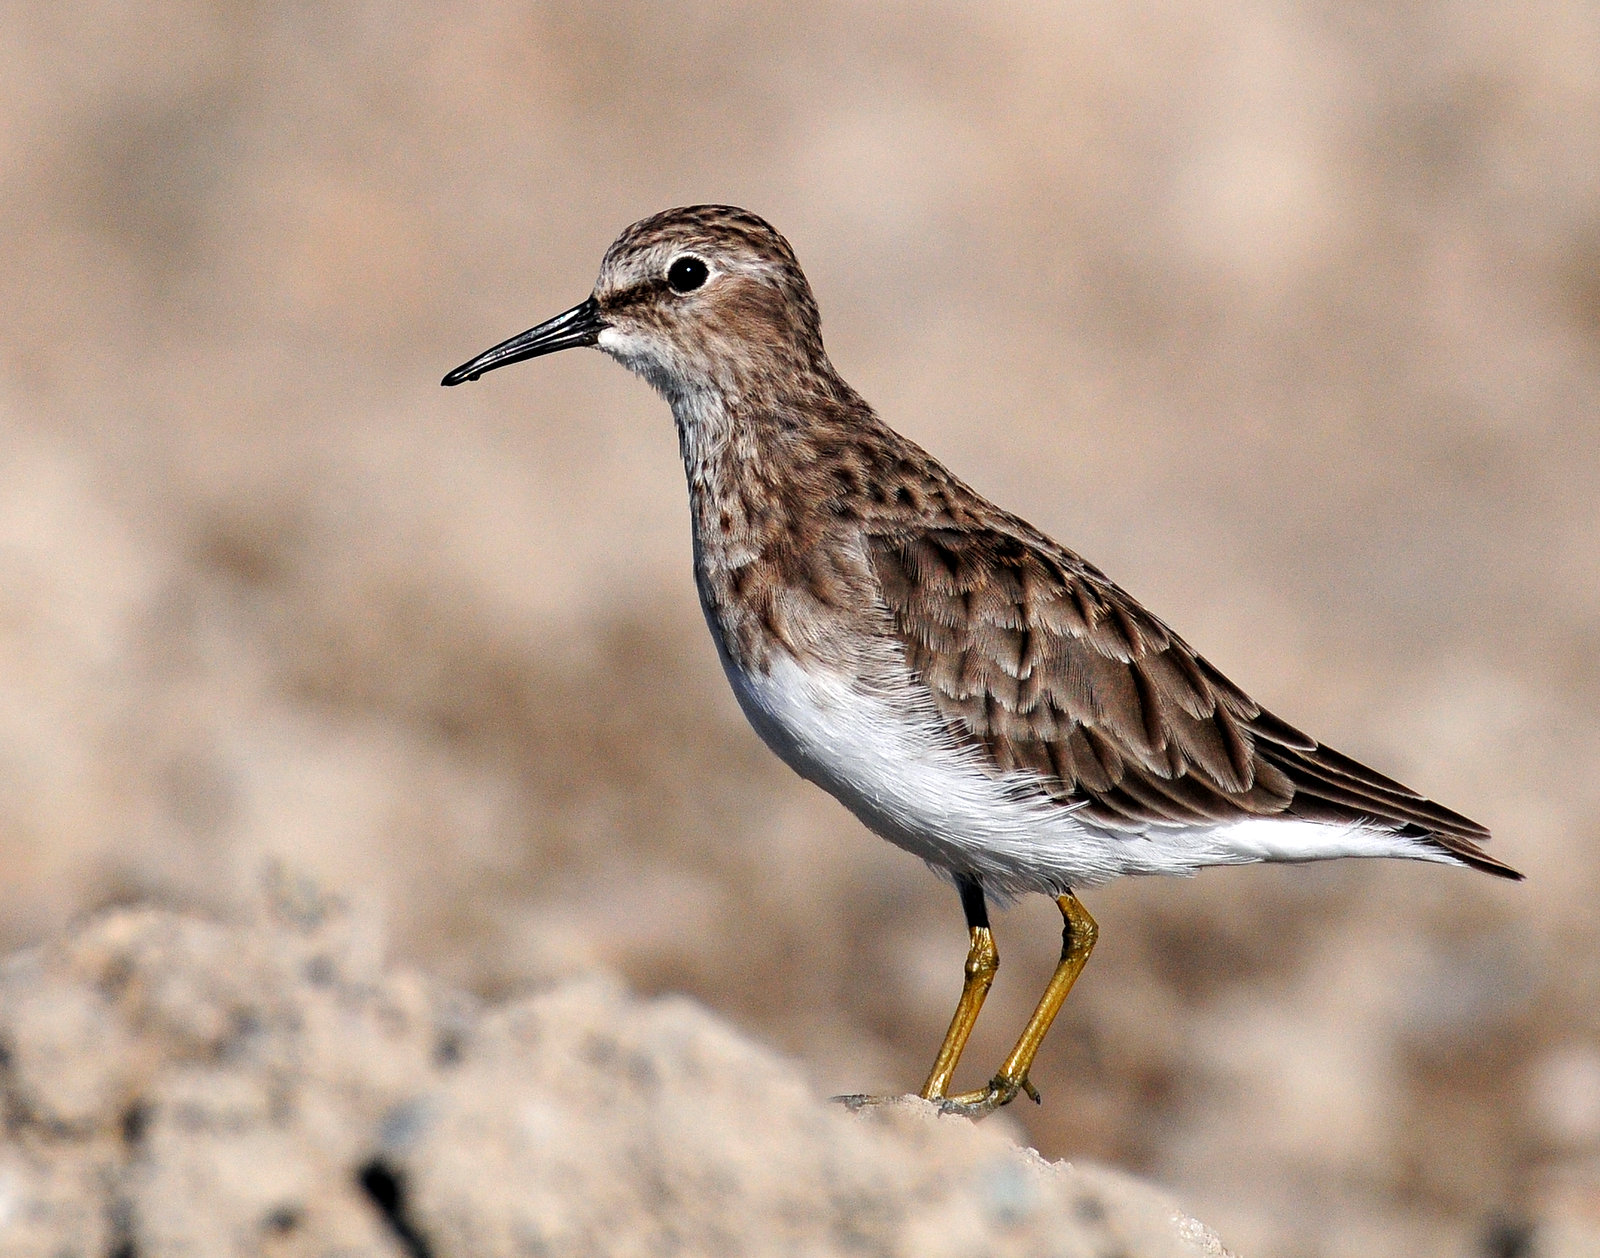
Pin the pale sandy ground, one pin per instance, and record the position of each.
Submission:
(1286, 315)
(175, 1087)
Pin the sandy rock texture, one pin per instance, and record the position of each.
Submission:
(172, 1087)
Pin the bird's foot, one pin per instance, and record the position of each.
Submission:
(1001, 1091)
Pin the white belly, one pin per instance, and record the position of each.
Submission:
(909, 781)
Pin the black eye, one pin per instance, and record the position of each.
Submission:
(686, 274)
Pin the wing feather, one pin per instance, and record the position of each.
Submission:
(1036, 657)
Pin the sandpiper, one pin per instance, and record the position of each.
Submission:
(972, 690)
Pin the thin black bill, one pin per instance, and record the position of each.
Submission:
(581, 325)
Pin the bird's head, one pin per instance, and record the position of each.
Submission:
(703, 298)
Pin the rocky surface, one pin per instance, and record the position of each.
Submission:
(173, 1086)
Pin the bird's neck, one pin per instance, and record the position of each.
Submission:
(764, 500)
(734, 456)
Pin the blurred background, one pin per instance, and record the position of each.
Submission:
(1286, 314)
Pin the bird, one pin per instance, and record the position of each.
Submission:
(972, 690)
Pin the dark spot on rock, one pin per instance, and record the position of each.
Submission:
(120, 1217)
(115, 977)
(641, 1071)
(135, 1122)
(319, 971)
(1506, 1236)
(599, 1050)
(283, 1220)
(385, 1187)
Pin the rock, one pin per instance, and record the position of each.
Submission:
(172, 1086)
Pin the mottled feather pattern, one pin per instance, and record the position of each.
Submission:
(1038, 657)
(974, 692)
(825, 538)
(1028, 651)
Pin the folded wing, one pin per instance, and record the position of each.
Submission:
(1042, 661)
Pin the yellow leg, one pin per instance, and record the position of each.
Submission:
(1078, 935)
(983, 959)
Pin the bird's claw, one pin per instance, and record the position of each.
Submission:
(1000, 1091)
